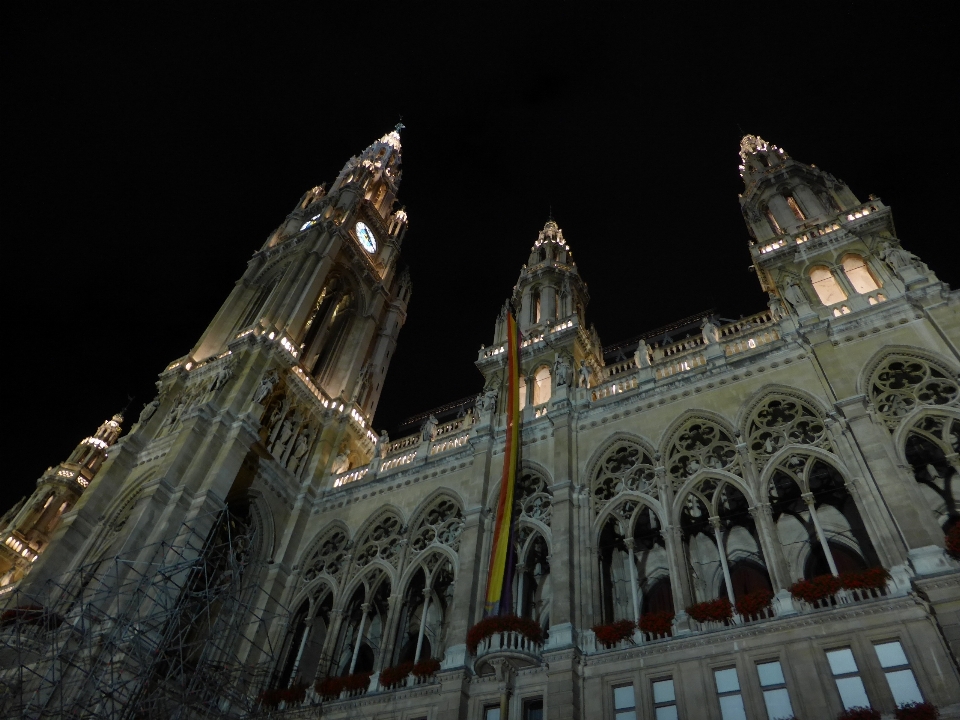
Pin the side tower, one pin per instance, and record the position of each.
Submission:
(26, 529)
(550, 300)
(814, 244)
(278, 391)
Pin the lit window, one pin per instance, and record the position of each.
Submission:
(728, 690)
(773, 221)
(795, 208)
(903, 685)
(859, 274)
(624, 703)
(847, 676)
(541, 388)
(828, 290)
(533, 709)
(523, 393)
(491, 712)
(665, 700)
(775, 694)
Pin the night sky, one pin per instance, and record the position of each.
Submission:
(148, 155)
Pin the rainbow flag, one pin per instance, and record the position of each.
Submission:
(499, 599)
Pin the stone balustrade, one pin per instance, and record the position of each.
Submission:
(512, 646)
(400, 445)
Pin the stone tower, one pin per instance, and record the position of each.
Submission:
(28, 526)
(280, 386)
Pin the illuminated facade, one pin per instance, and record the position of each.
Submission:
(684, 481)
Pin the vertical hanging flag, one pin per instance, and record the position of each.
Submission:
(502, 560)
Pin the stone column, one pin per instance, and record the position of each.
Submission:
(330, 643)
(897, 486)
(811, 505)
(770, 546)
(630, 543)
(467, 590)
(364, 609)
(390, 629)
(722, 551)
(423, 624)
(679, 578)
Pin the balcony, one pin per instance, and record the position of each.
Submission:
(509, 646)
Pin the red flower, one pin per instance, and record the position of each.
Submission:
(816, 588)
(503, 623)
(612, 633)
(952, 541)
(917, 711)
(392, 675)
(754, 603)
(859, 713)
(874, 578)
(331, 687)
(426, 668)
(658, 623)
(713, 610)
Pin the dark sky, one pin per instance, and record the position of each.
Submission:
(147, 156)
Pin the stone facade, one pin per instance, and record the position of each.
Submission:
(816, 438)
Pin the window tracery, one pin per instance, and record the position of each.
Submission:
(441, 524)
(782, 420)
(382, 540)
(624, 468)
(329, 557)
(533, 497)
(902, 383)
(701, 444)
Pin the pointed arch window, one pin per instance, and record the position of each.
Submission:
(794, 207)
(771, 218)
(541, 388)
(859, 275)
(522, 390)
(826, 285)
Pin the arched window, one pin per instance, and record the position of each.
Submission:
(541, 388)
(535, 306)
(930, 442)
(773, 221)
(794, 207)
(859, 274)
(522, 389)
(826, 285)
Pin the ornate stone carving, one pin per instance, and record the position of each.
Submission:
(902, 383)
(625, 467)
(701, 444)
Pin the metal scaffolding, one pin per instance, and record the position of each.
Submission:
(177, 629)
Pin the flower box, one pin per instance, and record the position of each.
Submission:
(754, 603)
(917, 711)
(719, 610)
(818, 588)
(657, 623)
(823, 586)
(393, 675)
(612, 633)
(331, 687)
(294, 695)
(859, 713)
(952, 541)
(503, 623)
(426, 668)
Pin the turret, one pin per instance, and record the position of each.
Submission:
(27, 528)
(818, 250)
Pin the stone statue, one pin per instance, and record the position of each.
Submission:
(488, 399)
(362, 381)
(710, 331)
(299, 450)
(657, 353)
(267, 383)
(585, 373)
(776, 308)
(222, 377)
(794, 295)
(429, 429)
(380, 446)
(148, 410)
(341, 463)
(641, 356)
(561, 370)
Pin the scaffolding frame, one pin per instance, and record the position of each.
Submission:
(177, 629)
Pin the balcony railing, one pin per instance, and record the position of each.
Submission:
(520, 650)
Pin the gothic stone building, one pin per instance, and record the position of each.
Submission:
(815, 439)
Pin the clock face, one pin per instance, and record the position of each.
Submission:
(366, 237)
